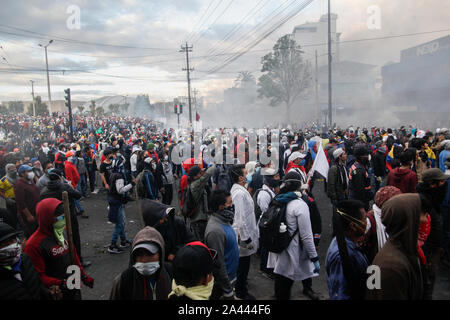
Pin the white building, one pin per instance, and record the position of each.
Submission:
(312, 36)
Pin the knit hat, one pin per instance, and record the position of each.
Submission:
(194, 257)
(384, 194)
(338, 152)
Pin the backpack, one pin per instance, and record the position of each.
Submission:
(258, 211)
(269, 228)
(223, 180)
(189, 206)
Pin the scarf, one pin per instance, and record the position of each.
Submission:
(381, 233)
(195, 293)
(286, 197)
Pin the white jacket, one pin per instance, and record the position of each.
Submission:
(295, 262)
(133, 162)
(244, 223)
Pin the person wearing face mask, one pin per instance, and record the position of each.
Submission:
(220, 236)
(262, 199)
(345, 262)
(27, 197)
(193, 272)
(146, 278)
(49, 251)
(172, 228)
(37, 169)
(18, 278)
(72, 175)
(7, 193)
(165, 179)
(359, 179)
(106, 167)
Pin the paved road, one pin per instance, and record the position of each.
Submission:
(96, 234)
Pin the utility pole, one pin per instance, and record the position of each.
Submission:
(317, 92)
(34, 101)
(69, 106)
(195, 104)
(48, 78)
(330, 109)
(188, 49)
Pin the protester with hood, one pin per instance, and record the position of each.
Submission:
(18, 278)
(49, 251)
(346, 264)
(55, 189)
(359, 180)
(220, 236)
(299, 261)
(193, 272)
(245, 226)
(27, 197)
(172, 227)
(403, 177)
(7, 192)
(376, 235)
(146, 277)
(400, 273)
(337, 183)
(198, 180)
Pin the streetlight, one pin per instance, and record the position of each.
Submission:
(48, 79)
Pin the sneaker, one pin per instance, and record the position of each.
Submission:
(248, 296)
(311, 294)
(115, 249)
(125, 244)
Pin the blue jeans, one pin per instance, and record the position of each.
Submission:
(119, 230)
(81, 187)
(78, 205)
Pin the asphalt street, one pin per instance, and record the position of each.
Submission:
(96, 235)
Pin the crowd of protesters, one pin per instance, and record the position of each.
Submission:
(388, 189)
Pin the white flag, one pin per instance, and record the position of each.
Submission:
(320, 163)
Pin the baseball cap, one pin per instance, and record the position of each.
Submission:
(149, 246)
(24, 168)
(434, 174)
(6, 231)
(194, 257)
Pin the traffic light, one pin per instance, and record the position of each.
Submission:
(175, 109)
(181, 108)
(67, 97)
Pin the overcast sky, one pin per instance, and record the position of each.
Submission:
(131, 47)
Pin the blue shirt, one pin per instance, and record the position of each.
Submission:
(337, 284)
(443, 158)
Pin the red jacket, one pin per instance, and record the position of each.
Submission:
(293, 165)
(72, 173)
(404, 179)
(50, 259)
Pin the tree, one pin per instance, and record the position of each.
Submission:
(3, 109)
(16, 106)
(243, 79)
(41, 108)
(80, 109)
(99, 111)
(114, 108)
(287, 75)
(92, 108)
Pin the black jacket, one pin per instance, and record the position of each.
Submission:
(337, 182)
(54, 189)
(30, 288)
(379, 164)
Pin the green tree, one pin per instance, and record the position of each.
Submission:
(80, 109)
(16, 106)
(92, 108)
(3, 109)
(99, 111)
(243, 79)
(286, 76)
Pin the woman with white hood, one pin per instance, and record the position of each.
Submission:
(376, 236)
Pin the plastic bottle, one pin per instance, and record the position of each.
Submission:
(283, 228)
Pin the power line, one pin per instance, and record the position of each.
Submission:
(203, 23)
(198, 21)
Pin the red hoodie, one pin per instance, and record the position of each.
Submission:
(50, 259)
(71, 173)
(404, 179)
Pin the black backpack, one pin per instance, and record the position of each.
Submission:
(270, 236)
(189, 206)
(223, 179)
(258, 211)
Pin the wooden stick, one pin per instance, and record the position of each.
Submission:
(65, 199)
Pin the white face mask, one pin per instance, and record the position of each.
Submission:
(30, 175)
(147, 268)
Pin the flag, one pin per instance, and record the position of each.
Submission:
(197, 116)
(320, 163)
